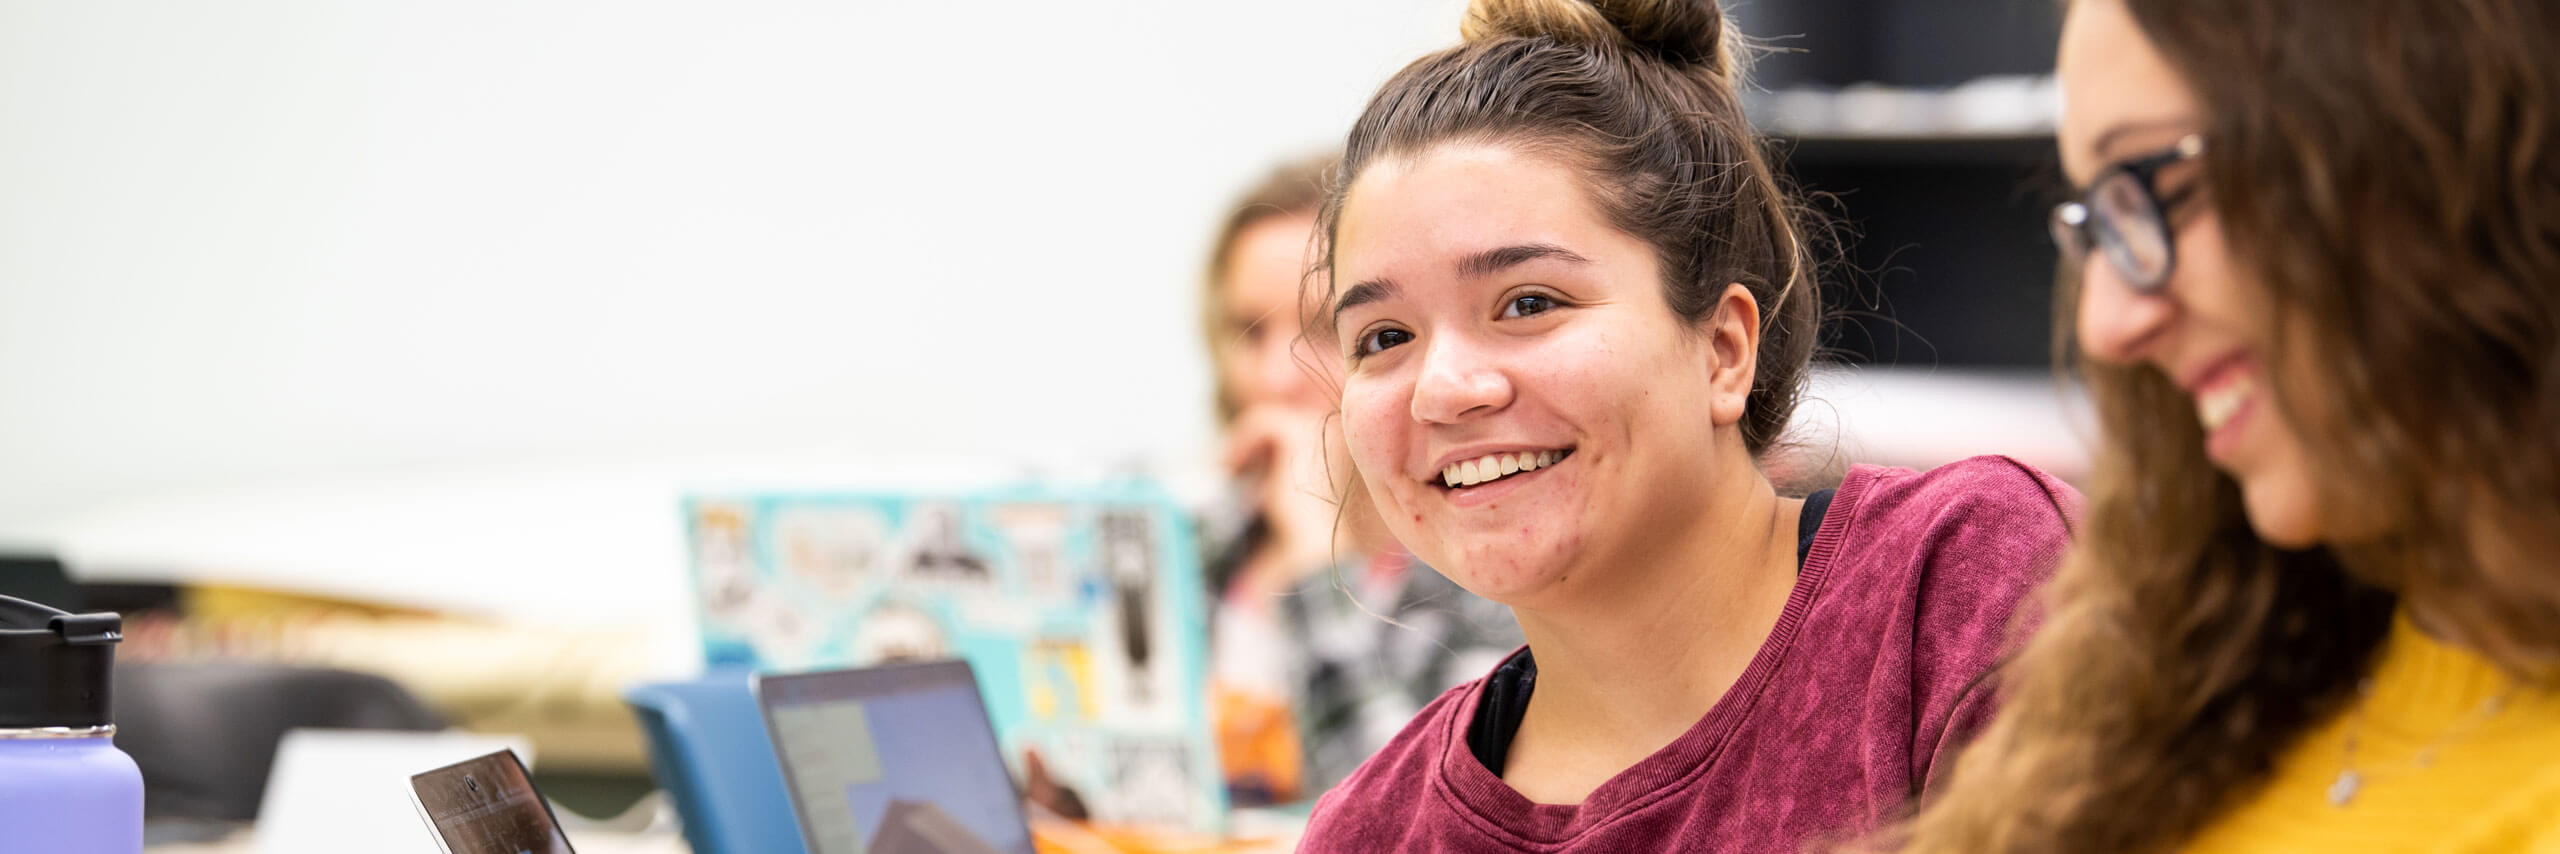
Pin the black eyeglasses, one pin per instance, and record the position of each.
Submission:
(2123, 216)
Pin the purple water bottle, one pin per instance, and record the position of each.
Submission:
(64, 787)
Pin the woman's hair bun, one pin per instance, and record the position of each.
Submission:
(1683, 32)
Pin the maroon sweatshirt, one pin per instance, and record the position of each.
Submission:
(1873, 676)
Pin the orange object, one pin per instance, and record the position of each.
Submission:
(1052, 835)
(1257, 746)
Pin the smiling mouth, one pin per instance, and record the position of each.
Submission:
(1493, 467)
(2217, 403)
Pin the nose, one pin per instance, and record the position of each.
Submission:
(1457, 383)
(2117, 323)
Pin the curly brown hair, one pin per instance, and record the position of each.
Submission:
(2389, 172)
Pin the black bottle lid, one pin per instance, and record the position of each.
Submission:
(54, 666)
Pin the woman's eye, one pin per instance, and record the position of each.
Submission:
(1528, 304)
(1382, 340)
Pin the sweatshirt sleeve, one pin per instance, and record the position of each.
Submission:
(1994, 531)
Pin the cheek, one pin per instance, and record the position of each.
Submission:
(1372, 429)
(1236, 370)
(2209, 283)
(1577, 374)
(1610, 382)
(2225, 302)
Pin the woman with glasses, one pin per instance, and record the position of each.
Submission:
(2315, 607)
(1573, 312)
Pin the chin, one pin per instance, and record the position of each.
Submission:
(1508, 572)
(1501, 585)
(2283, 511)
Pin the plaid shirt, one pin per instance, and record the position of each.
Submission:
(1381, 640)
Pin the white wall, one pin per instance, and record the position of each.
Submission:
(447, 302)
(410, 299)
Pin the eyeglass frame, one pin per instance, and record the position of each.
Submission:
(2076, 216)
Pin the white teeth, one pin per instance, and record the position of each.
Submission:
(1495, 466)
(2216, 405)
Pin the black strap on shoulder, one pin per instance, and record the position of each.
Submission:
(1810, 523)
(1506, 692)
(1497, 719)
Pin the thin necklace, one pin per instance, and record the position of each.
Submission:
(2351, 779)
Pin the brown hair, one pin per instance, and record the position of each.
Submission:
(2388, 171)
(1640, 95)
(1295, 188)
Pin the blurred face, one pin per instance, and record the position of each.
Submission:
(1261, 359)
(2204, 325)
(1519, 400)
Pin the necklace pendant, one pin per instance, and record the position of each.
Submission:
(2344, 789)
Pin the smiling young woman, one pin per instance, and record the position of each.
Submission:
(2318, 305)
(1307, 681)
(1573, 309)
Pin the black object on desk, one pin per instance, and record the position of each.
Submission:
(205, 732)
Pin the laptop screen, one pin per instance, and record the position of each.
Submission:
(488, 806)
(894, 759)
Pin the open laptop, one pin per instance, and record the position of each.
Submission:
(487, 805)
(898, 759)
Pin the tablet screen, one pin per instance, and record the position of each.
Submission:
(488, 806)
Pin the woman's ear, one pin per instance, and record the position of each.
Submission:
(1733, 342)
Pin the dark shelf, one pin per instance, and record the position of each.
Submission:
(1947, 263)
(1946, 259)
(1917, 149)
(1901, 42)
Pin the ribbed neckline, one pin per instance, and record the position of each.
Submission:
(1502, 812)
(2422, 686)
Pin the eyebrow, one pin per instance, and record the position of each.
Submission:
(1493, 261)
(2105, 144)
(1373, 290)
(1476, 266)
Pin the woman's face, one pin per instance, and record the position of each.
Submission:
(1261, 363)
(2204, 328)
(1518, 398)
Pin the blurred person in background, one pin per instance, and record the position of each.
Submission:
(2316, 269)
(1573, 308)
(1327, 639)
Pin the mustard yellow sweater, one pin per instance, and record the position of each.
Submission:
(2490, 782)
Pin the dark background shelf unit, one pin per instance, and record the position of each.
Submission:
(1920, 43)
(1945, 259)
(1947, 262)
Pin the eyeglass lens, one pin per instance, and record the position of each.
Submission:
(2127, 226)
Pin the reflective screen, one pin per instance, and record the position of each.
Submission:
(488, 806)
(894, 760)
